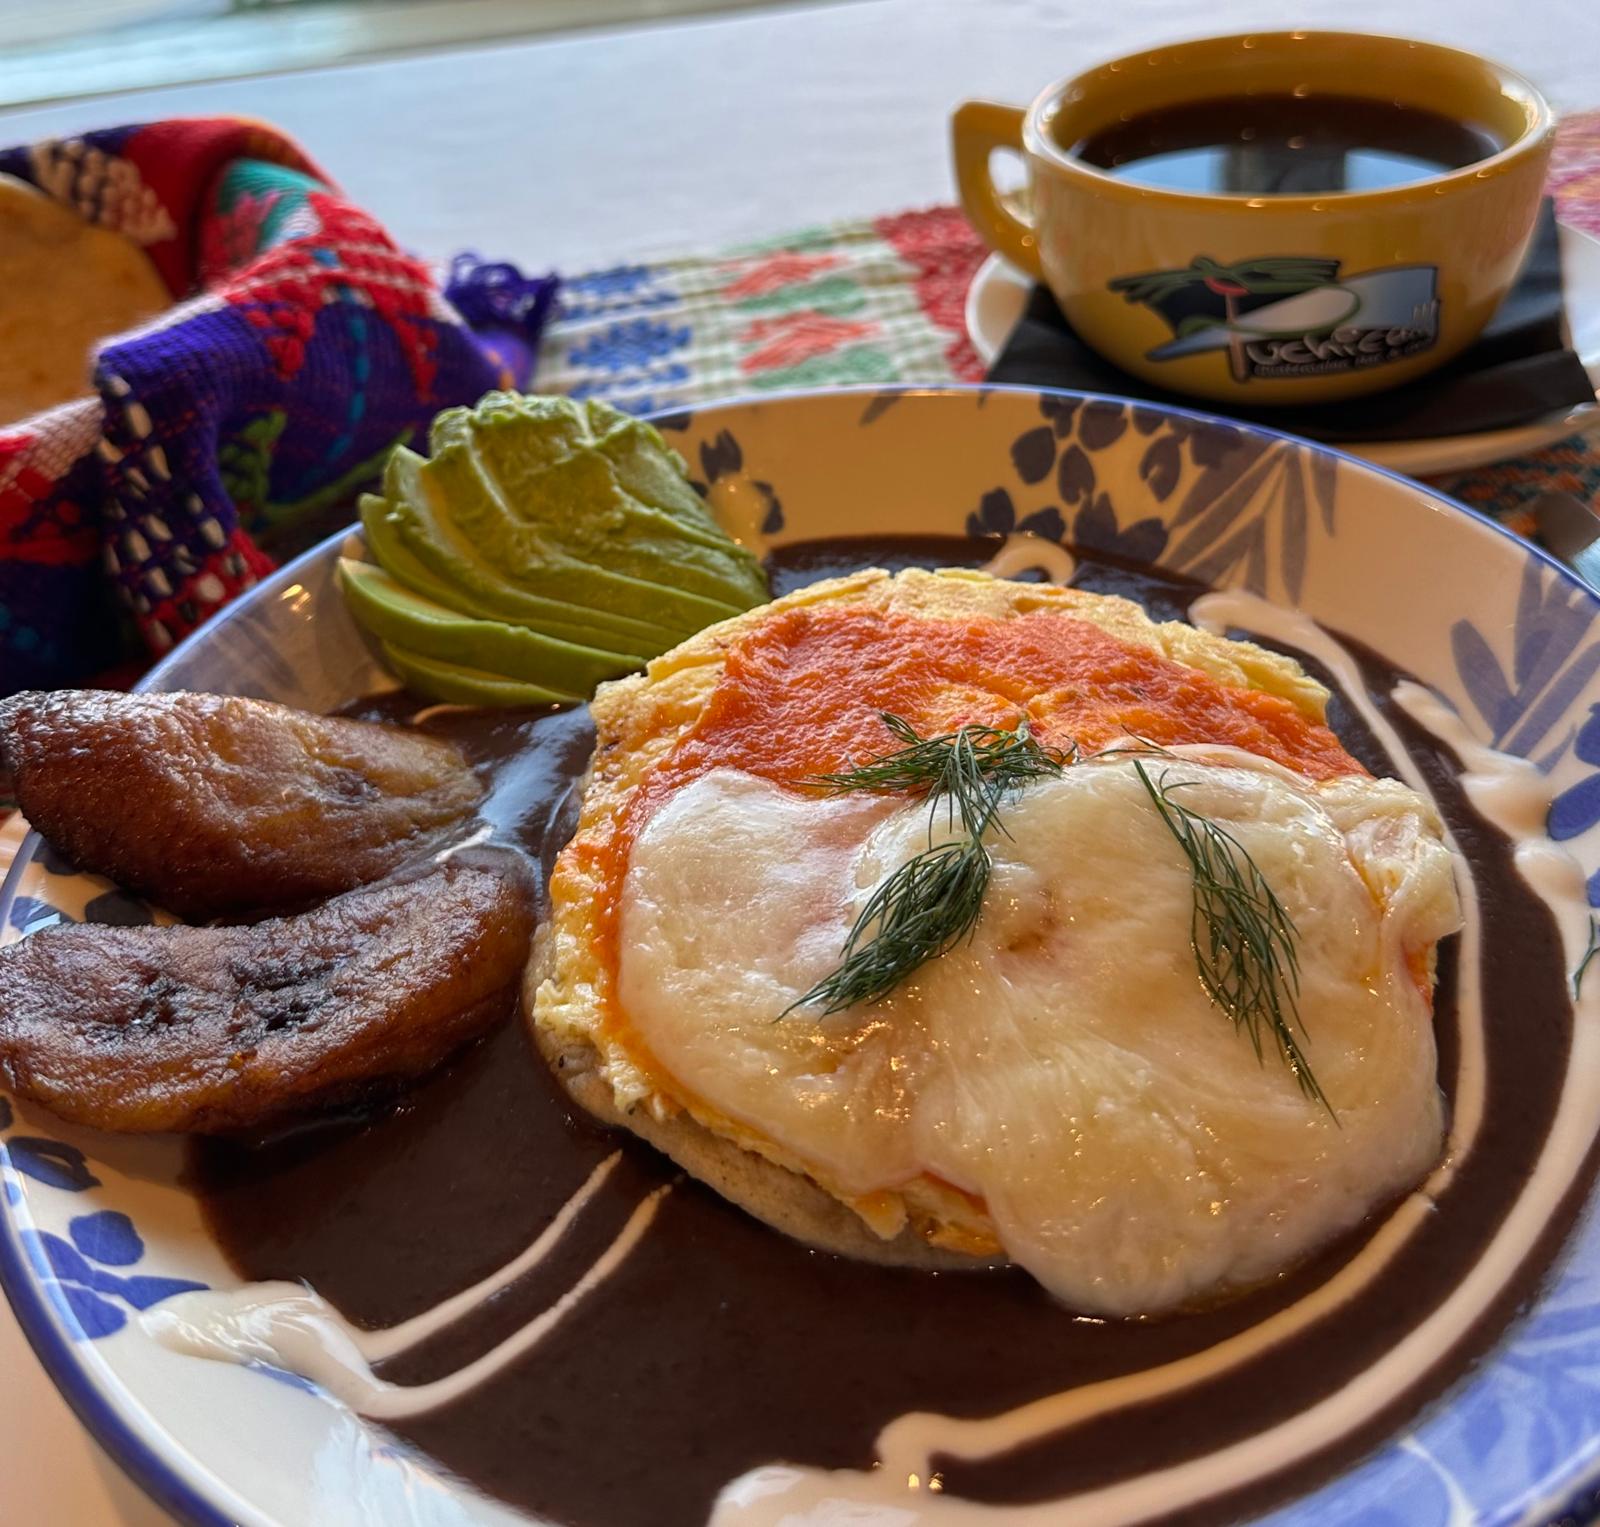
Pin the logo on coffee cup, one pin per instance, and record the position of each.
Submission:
(1289, 315)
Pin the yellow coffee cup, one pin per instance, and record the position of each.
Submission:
(1356, 291)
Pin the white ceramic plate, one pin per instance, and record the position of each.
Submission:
(95, 1229)
(999, 292)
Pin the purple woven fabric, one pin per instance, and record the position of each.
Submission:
(303, 345)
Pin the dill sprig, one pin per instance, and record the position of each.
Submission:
(1592, 949)
(924, 908)
(1243, 936)
(970, 769)
(932, 901)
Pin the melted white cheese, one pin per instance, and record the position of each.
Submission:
(1065, 1066)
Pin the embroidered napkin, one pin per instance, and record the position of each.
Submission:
(302, 345)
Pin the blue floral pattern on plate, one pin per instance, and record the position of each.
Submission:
(74, 1272)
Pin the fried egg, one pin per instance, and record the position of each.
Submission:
(1059, 1090)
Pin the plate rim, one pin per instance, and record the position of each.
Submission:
(174, 1491)
(182, 1492)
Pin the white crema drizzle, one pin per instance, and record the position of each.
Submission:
(291, 1327)
(1024, 551)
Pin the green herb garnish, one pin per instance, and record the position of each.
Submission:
(1588, 959)
(1243, 936)
(932, 901)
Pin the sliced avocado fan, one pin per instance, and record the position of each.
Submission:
(467, 686)
(551, 617)
(545, 545)
(393, 613)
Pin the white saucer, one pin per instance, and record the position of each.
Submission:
(999, 291)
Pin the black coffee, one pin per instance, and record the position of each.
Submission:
(1285, 145)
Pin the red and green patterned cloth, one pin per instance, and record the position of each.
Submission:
(882, 301)
(302, 346)
(305, 344)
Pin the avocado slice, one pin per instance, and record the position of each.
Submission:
(577, 509)
(552, 430)
(394, 613)
(547, 546)
(467, 686)
(451, 522)
(644, 466)
(563, 425)
(541, 459)
(652, 472)
(552, 617)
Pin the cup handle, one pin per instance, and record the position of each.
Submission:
(976, 130)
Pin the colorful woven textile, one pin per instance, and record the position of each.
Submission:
(247, 418)
(882, 301)
(304, 345)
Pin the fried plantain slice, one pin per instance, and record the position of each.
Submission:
(219, 807)
(210, 1029)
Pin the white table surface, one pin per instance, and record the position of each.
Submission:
(609, 145)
